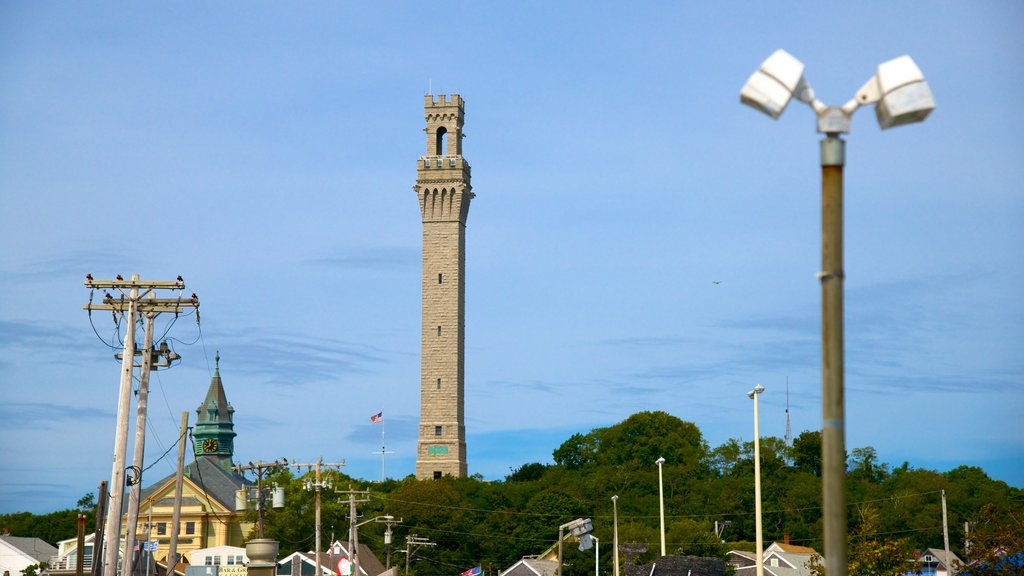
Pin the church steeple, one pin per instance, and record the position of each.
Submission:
(214, 432)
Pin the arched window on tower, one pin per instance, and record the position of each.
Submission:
(442, 141)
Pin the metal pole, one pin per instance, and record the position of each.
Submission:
(661, 503)
(112, 531)
(615, 534)
(139, 449)
(833, 419)
(597, 555)
(759, 552)
(179, 479)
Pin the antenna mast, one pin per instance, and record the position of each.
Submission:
(789, 429)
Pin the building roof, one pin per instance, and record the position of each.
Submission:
(531, 567)
(32, 547)
(218, 483)
(369, 564)
(678, 566)
(939, 555)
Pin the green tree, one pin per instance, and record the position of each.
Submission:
(807, 452)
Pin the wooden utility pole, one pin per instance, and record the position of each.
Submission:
(317, 485)
(80, 553)
(132, 519)
(353, 539)
(128, 304)
(414, 540)
(179, 479)
(261, 468)
(97, 541)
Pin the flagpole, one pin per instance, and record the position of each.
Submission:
(382, 449)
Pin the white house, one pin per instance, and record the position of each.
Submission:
(18, 553)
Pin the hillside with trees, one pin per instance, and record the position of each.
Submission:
(494, 524)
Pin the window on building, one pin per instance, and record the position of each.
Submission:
(216, 560)
(161, 528)
(440, 278)
(190, 527)
(438, 383)
(208, 561)
(437, 430)
(437, 474)
(438, 330)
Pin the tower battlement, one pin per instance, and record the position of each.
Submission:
(443, 101)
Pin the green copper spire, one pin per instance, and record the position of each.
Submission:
(214, 432)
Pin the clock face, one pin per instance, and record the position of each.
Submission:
(209, 445)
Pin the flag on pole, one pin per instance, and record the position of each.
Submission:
(474, 571)
(377, 418)
(136, 547)
(153, 545)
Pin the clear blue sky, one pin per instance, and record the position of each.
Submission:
(265, 152)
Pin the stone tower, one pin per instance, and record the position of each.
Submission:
(214, 433)
(443, 189)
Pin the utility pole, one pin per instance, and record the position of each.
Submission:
(945, 536)
(97, 541)
(414, 542)
(317, 485)
(128, 305)
(389, 521)
(353, 539)
(135, 483)
(179, 479)
(260, 468)
(80, 553)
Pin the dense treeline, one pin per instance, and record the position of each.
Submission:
(494, 524)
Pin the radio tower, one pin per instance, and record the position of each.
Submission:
(789, 429)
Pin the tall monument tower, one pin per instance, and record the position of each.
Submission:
(444, 192)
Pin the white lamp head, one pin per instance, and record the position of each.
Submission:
(774, 84)
(660, 461)
(757, 390)
(900, 93)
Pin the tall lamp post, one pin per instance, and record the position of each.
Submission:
(597, 554)
(615, 534)
(661, 502)
(759, 557)
(901, 96)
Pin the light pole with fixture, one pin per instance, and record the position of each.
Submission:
(597, 554)
(615, 534)
(661, 502)
(901, 96)
(759, 557)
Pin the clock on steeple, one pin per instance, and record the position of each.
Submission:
(214, 432)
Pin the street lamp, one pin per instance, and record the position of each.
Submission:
(901, 96)
(759, 558)
(661, 502)
(615, 534)
(597, 554)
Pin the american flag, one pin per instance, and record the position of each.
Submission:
(377, 418)
(474, 571)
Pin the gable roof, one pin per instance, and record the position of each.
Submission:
(531, 567)
(219, 484)
(369, 564)
(31, 547)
